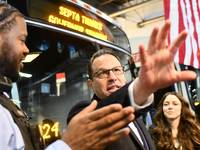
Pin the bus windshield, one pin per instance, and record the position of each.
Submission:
(77, 19)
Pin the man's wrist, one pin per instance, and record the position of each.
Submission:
(147, 102)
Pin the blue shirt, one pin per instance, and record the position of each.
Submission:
(11, 137)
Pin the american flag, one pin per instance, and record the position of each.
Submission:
(185, 14)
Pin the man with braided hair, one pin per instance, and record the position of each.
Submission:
(16, 132)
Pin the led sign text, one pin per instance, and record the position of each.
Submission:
(69, 13)
(65, 23)
(46, 130)
(82, 22)
(91, 23)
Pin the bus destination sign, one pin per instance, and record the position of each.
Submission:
(81, 22)
(71, 16)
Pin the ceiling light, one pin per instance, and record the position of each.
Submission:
(16, 101)
(25, 75)
(30, 57)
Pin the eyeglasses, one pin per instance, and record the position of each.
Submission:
(104, 73)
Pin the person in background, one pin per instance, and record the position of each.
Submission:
(95, 130)
(176, 127)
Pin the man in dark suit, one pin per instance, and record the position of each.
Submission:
(115, 79)
(107, 80)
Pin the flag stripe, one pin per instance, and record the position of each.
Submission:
(184, 14)
(167, 10)
(193, 35)
(197, 32)
(181, 28)
(189, 57)
(188, 49)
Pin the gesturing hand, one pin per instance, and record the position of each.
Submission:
(94, 130)
(157, 65)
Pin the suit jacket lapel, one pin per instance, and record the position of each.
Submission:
(135, 139)
(146, 134)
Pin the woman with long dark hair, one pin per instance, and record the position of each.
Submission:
(176, 126)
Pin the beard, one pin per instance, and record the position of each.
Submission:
(8, 65)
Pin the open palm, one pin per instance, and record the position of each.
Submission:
(157, 69)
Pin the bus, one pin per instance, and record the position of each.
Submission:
(62, 36)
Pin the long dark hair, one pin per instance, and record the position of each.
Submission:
(188, 129)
